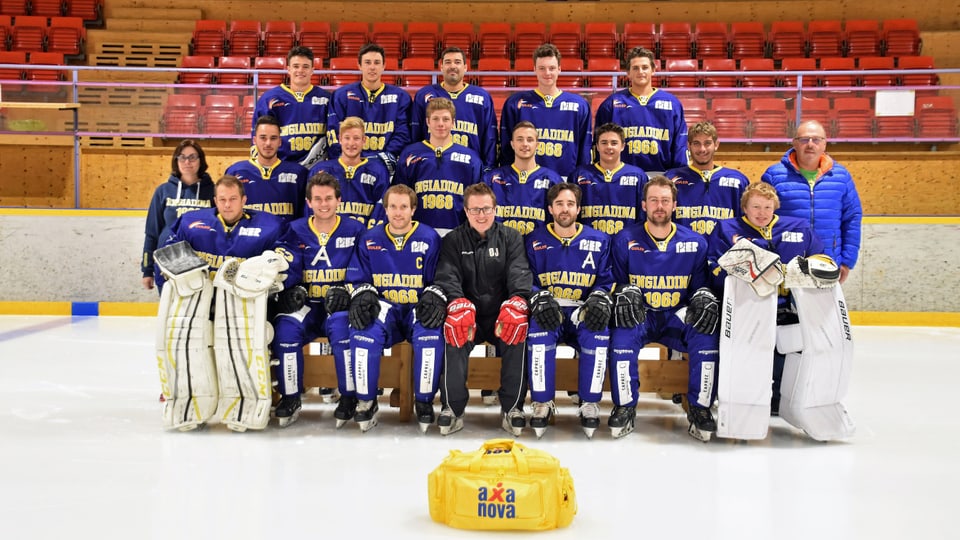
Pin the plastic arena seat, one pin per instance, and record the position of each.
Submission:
(46, 75)
(192, 77)
(66, 35)
(489, 81)
(318, 79)
(568, 77)
(315, 35)
(729, 116)
(694, 109)
(209, 37)
(901, 37)
(391, 64)
(181, 114)
(12, 74)
(825, 38)
(48, 8)
(5, 24)
(757, 81)
(14, 7)
(878, 78)
(675, 65)
(344, 63)
(88, 10)
(460, 35)
(527, 36)
(603, 64)
(676, 40)
(351, 37)
(244, 39)
(854, 118)
(525, 77)
(862, 37)
(28, 33)
(917, 79)
(837, 64)
(640, 34)
(936, 117)
(495, 40)
(422, 63)
(388, 35)
(815, 108)
(567, 37)
(269, 80)
(600, 40)
(246, 110)
(422, 39)
(279, 37)
(787, 39)
(747, 40)
(799, 64)
(220, 114)
(227, 79)
(712, 40)
(726, 82)
(769, 119)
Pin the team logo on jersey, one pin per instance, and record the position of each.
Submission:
(351, 95)
(681, 182)
(368, 179)
(372, 245)
(543, 183)
(633, 245)
(460, 157)
(275, 102)
(419, 247)
(287, 178)
(575, 107)
(583, 180)
(663, 105)
(726, 181)
(392, 98)
(524, 104)
(249, 231)
(590, 245)
(620, 104)
(345, 242)
(412, 158)
(498, 179)
(428, 96)
(686, 247)
(319, 101)
(629, 181)
(537, 245)
(475, 100)
(791, 237)
(199, 225)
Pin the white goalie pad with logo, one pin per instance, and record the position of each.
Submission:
(242, 336)
(754, 265)
(816, 379)
(188, 375)
(747, 339)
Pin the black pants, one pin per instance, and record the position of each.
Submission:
(513, 381)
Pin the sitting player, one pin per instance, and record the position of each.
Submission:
(570, 304)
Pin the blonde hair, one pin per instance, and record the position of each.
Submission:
(760, 189)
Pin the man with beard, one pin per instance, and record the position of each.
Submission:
(476, 125)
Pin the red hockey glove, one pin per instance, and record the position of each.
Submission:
(512, 321)
(461, 323)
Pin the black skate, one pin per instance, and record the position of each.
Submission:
(329, 395)
(702, 425)
(425, 415)
(449, 422)
(346, 409)
(589, 414)
(514, 422)
(366, 415)
(288, 410)
(621, 421)
(541, 417)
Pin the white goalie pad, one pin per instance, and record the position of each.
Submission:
(816, 380)
(753, 264)
(747, 339)
(188, 375)
(813, 272)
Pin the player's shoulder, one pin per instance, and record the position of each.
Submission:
(686, 234)
(428, 92)
(318, 92)
(426, 233)
(350, 227)
(589, 233)
(292, 167)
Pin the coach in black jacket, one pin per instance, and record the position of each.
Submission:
(483, 271)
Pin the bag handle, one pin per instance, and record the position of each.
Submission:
(512, 447)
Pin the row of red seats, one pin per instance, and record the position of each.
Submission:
(64, 35)
(213, 114)
(895, 37)
(88, 10)
(25, 73)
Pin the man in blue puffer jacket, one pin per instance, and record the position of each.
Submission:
(813, 186)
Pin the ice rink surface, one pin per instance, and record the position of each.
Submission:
(83, 455)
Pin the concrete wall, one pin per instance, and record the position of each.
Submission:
(906, 264)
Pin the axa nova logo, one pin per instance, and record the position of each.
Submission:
(496, 502)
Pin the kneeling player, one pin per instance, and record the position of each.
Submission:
(390, 273)
(570, 304)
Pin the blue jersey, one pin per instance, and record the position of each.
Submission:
(398, 266)
(171, 200)
(570, 268)
(361, 188)
(521, 195)
(611, 199)
(386, 113)
(277, 189)
(476, 123)
(320, 260)
(438, 175)
(656, 132)
(302, 117)
(563, 129)
(668, 270)
(706, 197)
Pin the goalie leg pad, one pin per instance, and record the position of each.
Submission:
(242, 337)
(816, 380)
(188, 375)
(747, 339)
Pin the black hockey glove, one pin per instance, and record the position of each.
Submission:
(596, 310)
(431, 310)
(703, 311)
(337, 299)
(292, 299)
(545, 310)
(628, 307)
(364, 306)
(390, 161)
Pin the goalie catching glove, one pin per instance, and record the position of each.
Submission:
(703, 311)
(432, 307)
(512, 323)
(460, 326)
(254, 276)
(292, 299)
(364, 306)
(757, 266)
(596, 311)
(336, 300)
(815, 271)
(628, 307)
(545, 310)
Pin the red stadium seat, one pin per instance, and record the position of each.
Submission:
(676, 40)
(877, 63)
(730, 117)
(192, 77)
(495, 40)
(209, 37)
(422, 63)
(391, 64)
(45, 75)
(233, 78)
(787, 39)
(344, 63)
(640, 34)
(917, 79)
(315, 35)
(12, 74)
(317, 79)
(14, 7)
(244, 39)
(604, 64)
(816, 109)
(567, 37)
(895, 126)
(88, 10)
(727, 82)
(837, 64)
(28, 33)
(712, 40)
(351, 37)
(527, 36)
(854, 118)
(499, 98)
(525, 77)
(825, 38)
(769, 119)
(47, 8)
(681, 64)
(220, 115)
(388, 35)
(494, 81)
(799, 64)
(422, 39)
(747, 40)
(936, 117)
(694, 109)
(5, 24)
(66, 35)
(279, 37)
(269, 80)
(600, 40)
(567, 78)
(181, 114)
(757, 81)
(458, 34)
(862, 38)
(901, 37)
(246, 121)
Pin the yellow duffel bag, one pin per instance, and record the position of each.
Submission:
(504, 486)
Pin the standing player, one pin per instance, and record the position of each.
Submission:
(476, 126)
(271, 185)
(384, 108)
(301, 110)
(363, 181)
(612, 190)
(706, 192)
(391, 273)
(438, 169)
(662, 295)
(562, 118)
(652, 118)
(319, 249)
(521, 188)
(570, 304)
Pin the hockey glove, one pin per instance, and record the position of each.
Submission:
(596, 310)
(337, 299)
(545, 310)
(511, 324)
(703, 311)
(460, 326)
(628, 307)
(390, 161)
(364, 306)
(432, 307)
(818, 271)
(292, 299)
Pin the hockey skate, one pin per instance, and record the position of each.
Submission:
(621, 421)
(288, 410)
(702, 425)
(346, 409)
(541, 417)
(589, 414)
(489, 397)
(366, 416)
(514, 421)
(574, 398)
(425, 415)
(449, 422)
(329, 395)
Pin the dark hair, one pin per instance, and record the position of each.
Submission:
(450, 50)
(323, 178)
(175, 166)
(266, 120)
(401, 190)
(300, 50)
(371, 47)
(523, 124)
(547, 50)
(662, 181)
(555, 190)
(640, 52)
(609, 127)
(229, 180)
(478, 190)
